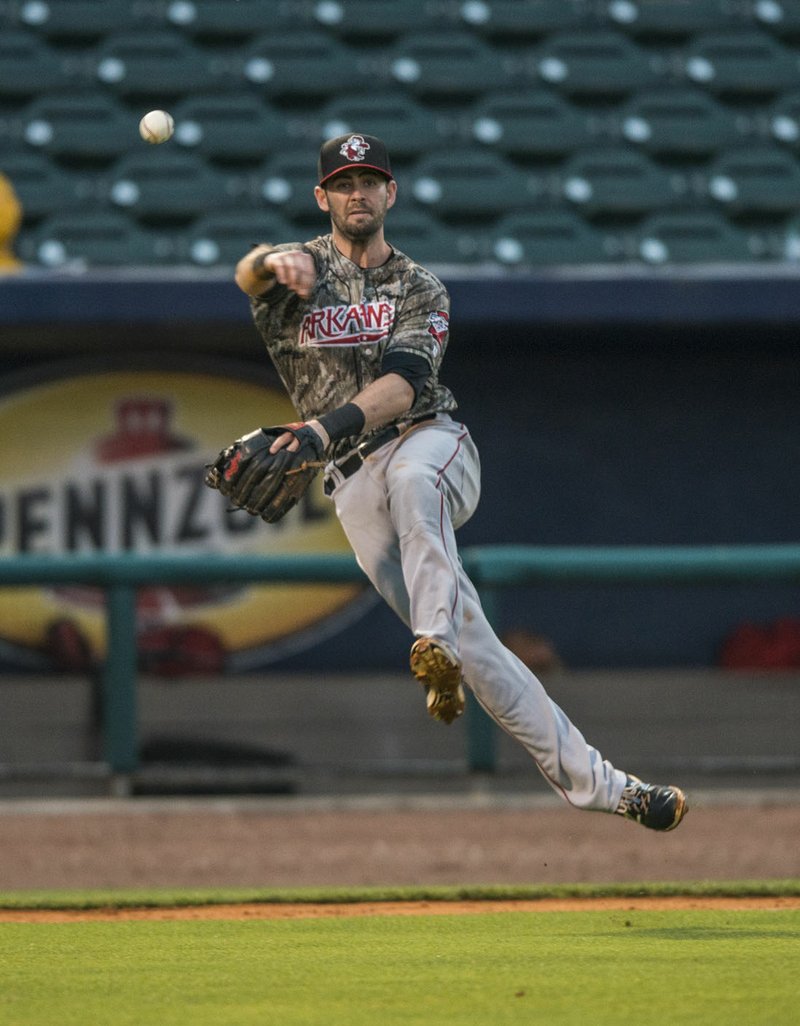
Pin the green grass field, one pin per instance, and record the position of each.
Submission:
(588, 968)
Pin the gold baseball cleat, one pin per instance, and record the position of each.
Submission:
(440, 675)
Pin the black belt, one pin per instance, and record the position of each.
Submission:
(351, 463)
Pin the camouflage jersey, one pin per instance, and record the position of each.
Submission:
(329, 346)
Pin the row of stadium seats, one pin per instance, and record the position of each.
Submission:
(529, 126)
(388, 19)
(452, 185)
(295, 64)
(592, 121)
(544, 238)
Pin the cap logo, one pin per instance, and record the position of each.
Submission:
(355, 148)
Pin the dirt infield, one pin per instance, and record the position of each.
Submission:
(311, 910)
(303, 845)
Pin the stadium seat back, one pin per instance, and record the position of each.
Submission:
(299, 64)
(763, 179)
(521, 20)
(594, 63)
(679, 122)
(691, 237)
(530, 124)
(284, 184)
(670, 19)
(95, 239)
(224, 20)
(29, 67)
(162, 65)
(471, 185)
(618, 182)
(167, 185)
(231, 127)
(550, 237)
(78, 19)
(361, 20)
(747, 64)
(222, 239)
(84, 126)
(426, 240)
(447, 66)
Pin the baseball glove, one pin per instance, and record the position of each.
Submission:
(267, 484)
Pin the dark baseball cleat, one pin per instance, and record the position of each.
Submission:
(440, 675)
(656, 807)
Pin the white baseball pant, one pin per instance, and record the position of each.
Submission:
(400, 511)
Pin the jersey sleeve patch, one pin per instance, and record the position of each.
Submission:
(438, 326)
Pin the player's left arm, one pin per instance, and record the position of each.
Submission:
(379, 403)
(384, 399)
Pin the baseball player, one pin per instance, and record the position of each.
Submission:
(357, 332)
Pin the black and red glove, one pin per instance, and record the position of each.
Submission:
(267, 484)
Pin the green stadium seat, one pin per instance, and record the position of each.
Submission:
(77, 19)
(84, 126)
(691, 237)
(521, 19)
(594, 63)
(408, 129)
(678, 122)
(222, 239)
(162, 65)
(744, 63)
(447, 66)
(95, 239)
(28, 66)
(165, 184)
(471, 185)
(231, 127)
(552, 237)
(44, 189)
(300, 64)
(790, 240)
(367, 20)
(429, 241)
(784, 119)
(670, 18)
(224, 20)
(761, 180)
(530, 124)
(285, 184)
(618, 182)
(780, 18)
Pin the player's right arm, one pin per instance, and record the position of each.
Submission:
(264, 267)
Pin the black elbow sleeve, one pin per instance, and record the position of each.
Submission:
(415, 369)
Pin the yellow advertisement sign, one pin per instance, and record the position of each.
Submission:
(119, 467)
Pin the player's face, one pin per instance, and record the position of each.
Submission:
(357, 202)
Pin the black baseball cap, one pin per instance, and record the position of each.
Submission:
(352, 150)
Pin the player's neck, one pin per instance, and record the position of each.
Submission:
(371, 252)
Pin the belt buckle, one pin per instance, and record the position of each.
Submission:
(360, 451)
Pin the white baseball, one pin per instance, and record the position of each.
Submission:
(156, 127)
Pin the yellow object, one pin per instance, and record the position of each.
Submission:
(10, 220)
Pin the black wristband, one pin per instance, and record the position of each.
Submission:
(343, 422)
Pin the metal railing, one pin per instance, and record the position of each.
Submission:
(492, 569)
